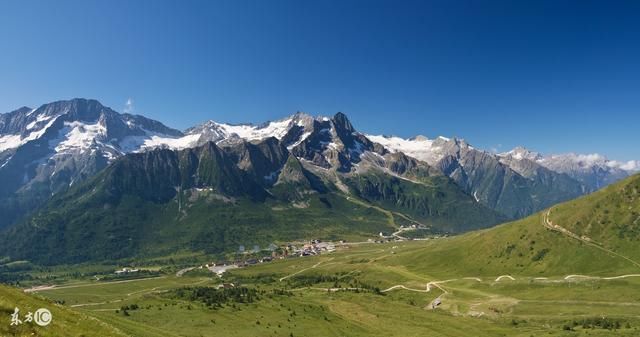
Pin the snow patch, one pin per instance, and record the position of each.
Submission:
(79, 136)
(13, 141)
(420, 147)
(302, 138)
(154, 140)
(10, 142)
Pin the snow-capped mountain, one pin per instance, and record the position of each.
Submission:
(594, 171)
(292, 130)
(325, 142)
(77, 126)
(46, 150)
(419, 147)
(484, 176)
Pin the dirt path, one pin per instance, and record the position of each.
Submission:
(550, 225)
(182, 271)
(390, 215)
(327, 289)
(428, 288)
(53, 287)
(305, 269)
(94, 304)
(570, 277)
(400, 286)
(437, 284)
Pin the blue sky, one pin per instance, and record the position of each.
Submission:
(555, 76)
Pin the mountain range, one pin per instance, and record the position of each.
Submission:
(88, 181)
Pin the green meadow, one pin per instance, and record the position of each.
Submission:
(364, 290)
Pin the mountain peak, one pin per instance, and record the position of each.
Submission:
(23, 109)
(520, 153)
(342, 122)
(419, 138)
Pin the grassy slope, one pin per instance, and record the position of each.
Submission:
(537, 308)
(527, 247)
(140, 228)
(610, 217)
(435, 201)
(65, 322)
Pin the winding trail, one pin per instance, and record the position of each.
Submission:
(390, 216)
(139, 292)
(429, 286)
(546, 221)
(328, 289)
(400, 286)
(570, 277)
(182, 271)
(437, 284)
(54, 287)
(305, 269)
(621, 276)
(550, 225)
(505, 276)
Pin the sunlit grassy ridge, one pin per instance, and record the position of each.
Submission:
(65, 322)
(315, 301)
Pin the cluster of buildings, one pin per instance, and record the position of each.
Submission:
(313, 247)
(126, 270)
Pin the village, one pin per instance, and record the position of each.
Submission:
(244, 257)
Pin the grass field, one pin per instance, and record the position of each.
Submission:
(388, 297)
(65, 322)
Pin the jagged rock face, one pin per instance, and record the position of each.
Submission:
(159, 175)
(593, 171)
(334, 144)
(45, 150)
(263, 160)
(488, 181)
(290, 131)
(514, 190)
(16, 120)
(148, 170)
(515, 187)
(191, 192)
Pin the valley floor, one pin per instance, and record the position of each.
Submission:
(362, 291)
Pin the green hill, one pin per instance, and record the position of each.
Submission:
(65, 322)
(600, 238)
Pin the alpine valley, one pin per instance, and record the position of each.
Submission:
(121, 226)
(88, 183)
